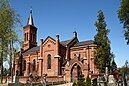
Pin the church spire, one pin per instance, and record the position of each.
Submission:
(30, 34)
(30, 19)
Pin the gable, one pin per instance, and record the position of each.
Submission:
(49, 40)
(73, 42)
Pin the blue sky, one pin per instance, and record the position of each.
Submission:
(62, 17)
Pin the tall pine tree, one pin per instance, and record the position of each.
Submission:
(102, 54)
(123, 15)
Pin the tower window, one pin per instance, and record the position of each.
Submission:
(24, 63)
(27, 37)
(34, 37)
(31, 35)
(49, 61)
(34, 64)
(31, 38)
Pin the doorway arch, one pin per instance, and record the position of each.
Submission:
(76, 71)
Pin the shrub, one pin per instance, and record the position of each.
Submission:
(74, 83)
(88, 81)
(81, 81)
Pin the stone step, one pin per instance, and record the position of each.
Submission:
(67, 84)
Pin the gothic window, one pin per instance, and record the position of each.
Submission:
(92, 53)
(24, 63)
(49, 61)
(34, 64)
(31, 37)
(75, 55)
(34, 37)
(27, 37)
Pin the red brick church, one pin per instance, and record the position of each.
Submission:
(53, 60)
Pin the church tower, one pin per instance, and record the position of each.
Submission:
(30, 34)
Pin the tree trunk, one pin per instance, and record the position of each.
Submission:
(1, 62)
(11, 55)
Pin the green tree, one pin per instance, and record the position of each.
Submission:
(123, 15)
(113, 65)
(125, 68)
(5, 71)
(102, 53)
(9, 19)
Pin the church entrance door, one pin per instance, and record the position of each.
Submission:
(75, 72)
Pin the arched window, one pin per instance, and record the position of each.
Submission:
(49, 61)
(32, 37)
(34, 64)
(27, 36)
(24, 63)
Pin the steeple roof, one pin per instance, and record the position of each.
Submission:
(30, 19)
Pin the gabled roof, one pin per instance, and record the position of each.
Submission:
(84, 43)
(65, 42)
(32, 51)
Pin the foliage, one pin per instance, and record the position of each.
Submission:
(102, 53)
(81, 81)
(74, 83)
(9, 19)
(88, 81)
(113, 65)
(6, 71)
(123, 15)
(125, 68)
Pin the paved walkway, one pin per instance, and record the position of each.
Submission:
(3, 84)
(67, 84)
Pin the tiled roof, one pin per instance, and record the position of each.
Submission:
(36, 49)
(84, 43)
(65, 42)
(32, 50)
